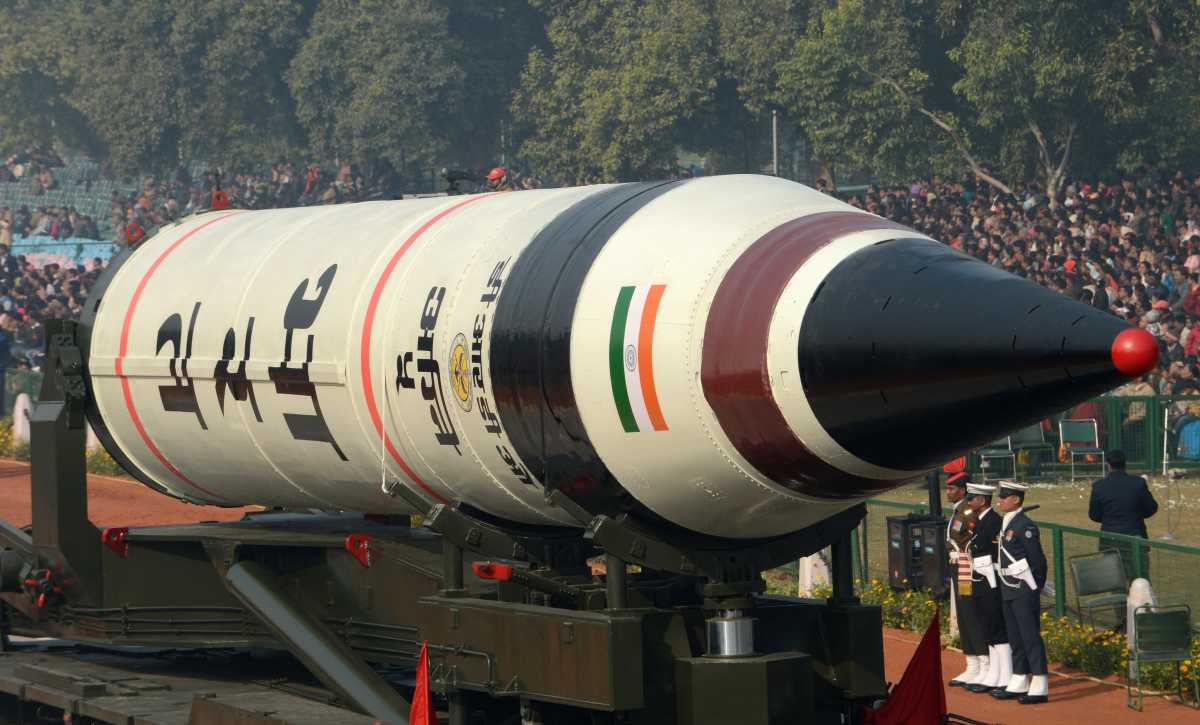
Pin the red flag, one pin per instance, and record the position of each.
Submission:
(422, 712)
(920, 698)
(958, 465)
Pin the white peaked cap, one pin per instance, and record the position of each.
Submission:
(1008, 488)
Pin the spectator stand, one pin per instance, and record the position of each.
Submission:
(78, 185)
(75, 250)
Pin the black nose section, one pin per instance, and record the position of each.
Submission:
(911, 353)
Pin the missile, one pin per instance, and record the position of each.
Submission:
(733, 357)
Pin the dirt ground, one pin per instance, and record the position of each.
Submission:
(1073, 699)
(111, 502)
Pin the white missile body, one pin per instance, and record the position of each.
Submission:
(309, 357)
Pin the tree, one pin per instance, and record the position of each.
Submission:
(163, 82)
(752, 40)
(857, 85)
(1147, 86)
(493, 38)
(1024, 72)
(238, 109)
(378, 80)
(33, 105)
(1012, 88)
(122, 77)
(618, 86)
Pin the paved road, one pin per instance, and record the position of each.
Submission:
(1071, 700)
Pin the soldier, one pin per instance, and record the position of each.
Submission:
(1022, 575)
(985, 590)
(499, 179)
(958, 536)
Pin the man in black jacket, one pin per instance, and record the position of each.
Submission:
(985, 590)
(1121, 503)
(1022, 576)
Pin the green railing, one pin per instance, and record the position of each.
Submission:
(1173, 569)
(1149, 428)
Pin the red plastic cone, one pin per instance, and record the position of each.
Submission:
(422, 712)
(920, 698)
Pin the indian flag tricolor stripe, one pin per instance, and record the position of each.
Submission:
(631, 358)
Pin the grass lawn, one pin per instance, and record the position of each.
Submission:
(1067, 503)
(1175, 575)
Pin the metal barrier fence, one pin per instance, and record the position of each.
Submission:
(1156, 433)
(1173, 569)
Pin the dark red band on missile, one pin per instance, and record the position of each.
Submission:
(123, 349)
(364, 352)
(734, 372)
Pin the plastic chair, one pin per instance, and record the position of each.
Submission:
(1161, 634)
(1100, 583)
(1081, 438)
(1031, 439)
(997, 451)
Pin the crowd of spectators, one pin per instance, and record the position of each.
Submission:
(160, 201)
(1130, 245)
(35, 167)
(34, 288)
(31, 294)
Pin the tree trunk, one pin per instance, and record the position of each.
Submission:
(959, 142)
(1055, 170)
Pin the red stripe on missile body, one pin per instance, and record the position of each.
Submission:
(735, 374)
(123, 350)
(364, 352)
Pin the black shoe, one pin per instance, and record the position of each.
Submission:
(1002, 694)
(978, 688)
(956, 683)
(1032, 699)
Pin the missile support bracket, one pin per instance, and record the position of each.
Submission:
(64, 542)
(731, 572)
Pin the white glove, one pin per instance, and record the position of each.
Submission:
(984, 565)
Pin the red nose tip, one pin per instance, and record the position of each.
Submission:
(1135, 352)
